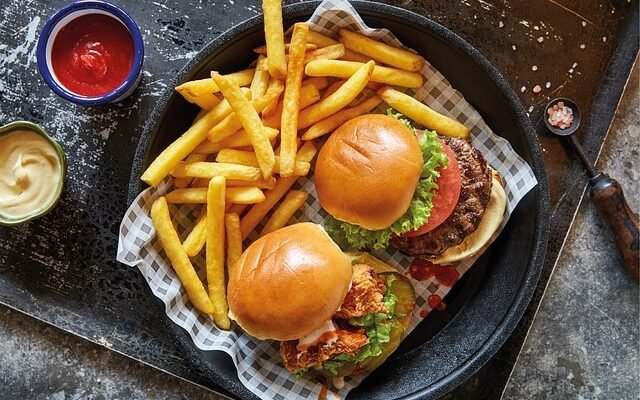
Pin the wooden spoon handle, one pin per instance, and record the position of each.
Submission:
(608, 197)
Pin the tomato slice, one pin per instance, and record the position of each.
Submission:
(446, 197)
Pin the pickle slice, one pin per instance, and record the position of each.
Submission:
(406, 295)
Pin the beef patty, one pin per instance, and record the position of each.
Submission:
(466, 216)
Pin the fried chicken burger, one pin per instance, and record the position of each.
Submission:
(335, 314)
(382, 182)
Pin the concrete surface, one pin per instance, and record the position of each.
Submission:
(584, 341)
(583, 344)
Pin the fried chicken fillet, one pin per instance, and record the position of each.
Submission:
(364, 297)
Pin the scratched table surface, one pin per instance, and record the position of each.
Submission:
(62, 269)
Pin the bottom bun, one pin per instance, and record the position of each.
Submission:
(475, 242)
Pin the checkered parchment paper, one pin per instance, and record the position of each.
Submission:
(258, 362)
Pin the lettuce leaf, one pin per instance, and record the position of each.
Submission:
(420, 208)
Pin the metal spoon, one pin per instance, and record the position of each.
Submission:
(607, 195)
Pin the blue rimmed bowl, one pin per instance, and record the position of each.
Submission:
(63, 17)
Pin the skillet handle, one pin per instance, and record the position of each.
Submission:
(608, 197)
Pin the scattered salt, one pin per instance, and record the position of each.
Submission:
(523, 89)
(501, 24)
(584, 23)
(536, 27)
(534, 68)
(571, 71)
(537, 89)
(574, 65)
(514, 47)
(540, 39)
(582, 46)
(547, 85)
(604, 39)
(530, 108)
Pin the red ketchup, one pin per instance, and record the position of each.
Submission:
(92, 55)
(422, 270)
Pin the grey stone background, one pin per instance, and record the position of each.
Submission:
(583, 343)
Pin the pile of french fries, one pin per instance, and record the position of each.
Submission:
(254, 136)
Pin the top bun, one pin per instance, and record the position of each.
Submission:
(368, 170)
(288, 283)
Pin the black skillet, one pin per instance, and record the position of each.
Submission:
(487, 303)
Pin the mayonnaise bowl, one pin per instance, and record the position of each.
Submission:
(33, 169)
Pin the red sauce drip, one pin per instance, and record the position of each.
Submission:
(323, 393)
(434, 300)
(423, 313)
(442, 306)
(324, 389)
(92, 55)
(421, 270)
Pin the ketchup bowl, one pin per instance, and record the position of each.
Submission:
(90, 52)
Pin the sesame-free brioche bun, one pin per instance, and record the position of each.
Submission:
(368, 170)
(288, 283)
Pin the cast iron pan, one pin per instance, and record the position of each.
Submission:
(485, 306)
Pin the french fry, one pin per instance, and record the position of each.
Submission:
(180, 183)
(248, 158)
(320, 82)
(238, 209)
(309, 94)
(274, 37)
(260, 79)
(381, 52)
(332, 89)
(332, 52)
(307, 152)
(271, 106)
(260, 183)
(262, 50)
(201, 91)
(250, 121)
(179, 260)
(338, 100)
(238, 139)
(213, 169)
(231, 123)
(332, 122)
(237, 195)
(291, 100)
(325, 41)
(350, 55)
(200, 114)
(320, 40)
(344, 69)
(185, 144)
(234, 156)
(422, 114)
(281, 215)
(198, 182)
(215, 252)
(206, 101)
(196, 239)
(256, 213)
(234, 239)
